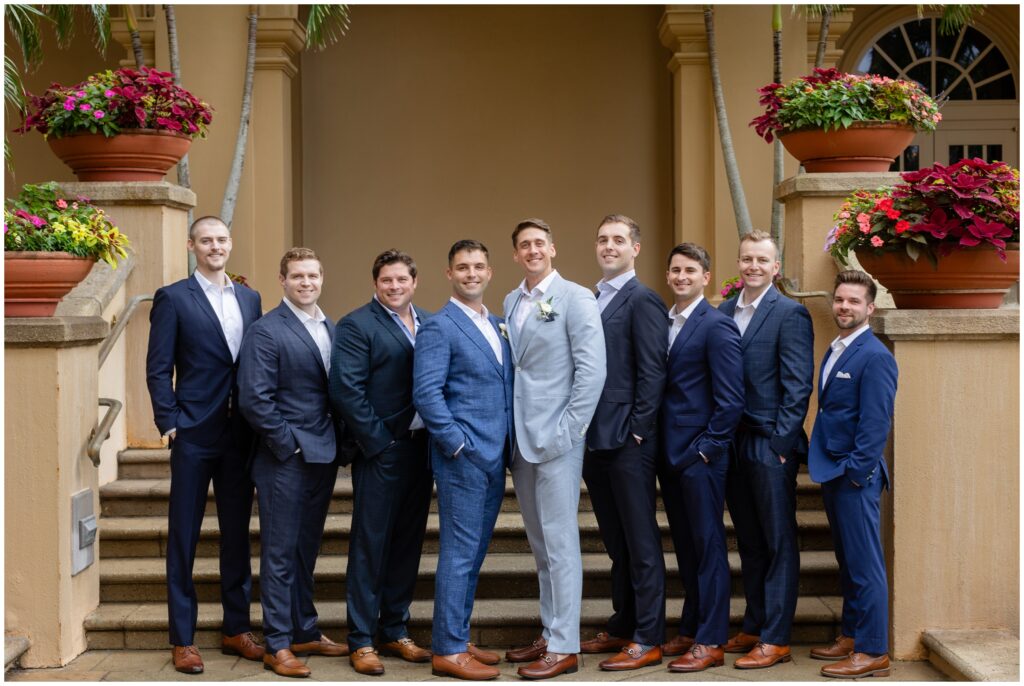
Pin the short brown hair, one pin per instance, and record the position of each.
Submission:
(393, 256)
(756, 236)
(694, 252)
(469, 245)
(857, 278)
(531, 223)
(298, 255)
(208, 219)
(634, 228)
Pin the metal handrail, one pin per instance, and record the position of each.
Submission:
(102, 430)
(120, 322)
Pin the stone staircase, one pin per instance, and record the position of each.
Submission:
(133, 533)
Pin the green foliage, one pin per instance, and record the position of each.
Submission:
(326, 25)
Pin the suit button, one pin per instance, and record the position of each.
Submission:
(518, 368)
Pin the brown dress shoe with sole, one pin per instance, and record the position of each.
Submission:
(741, 643)
(546, 666)
(324, 646)
(763, 655)
(632, 657)
(462, 666)
(857, 666)
(284, 663)
(528, 653)
(699, 658)
(841, 649)
(677, 646)
(406, 649)
(187, 660)
(604, 643)
(483, 656)
(244, 645)
(365, 661)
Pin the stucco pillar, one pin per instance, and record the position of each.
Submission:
(838, 26)
(953, 553)
(51, 392)
(154, 216)
(145, 23)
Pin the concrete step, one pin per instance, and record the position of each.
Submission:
(496, 622)
(504, 575)
(15, 645)
(974, 654)
(147, 536)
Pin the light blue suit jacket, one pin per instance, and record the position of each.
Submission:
(559, 370)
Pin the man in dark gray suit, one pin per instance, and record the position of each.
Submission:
(282, 381)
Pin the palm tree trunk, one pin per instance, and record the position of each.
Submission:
(227, 209)
(732, 171)
(184, 179)
(777, 227)
(826, 19)
(133, 29)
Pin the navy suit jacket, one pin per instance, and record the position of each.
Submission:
(283, 386)
(634, 339)
(371, 377)
(854, 413)
(704, 388)
(778, 376)
(461, 391)
(187, 344)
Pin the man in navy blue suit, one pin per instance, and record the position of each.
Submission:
(196, 329)
(620, 462)
(702, 406)
(371, 387)
(282, 381)
(462, 387)
(778, 376)
(856, 395)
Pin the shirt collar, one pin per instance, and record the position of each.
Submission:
(757, 300)
(540, 288)
(470, 312)
(616, 283)
(844, 343)
(206, 284)
(415, 314)
(672, 314)
(303, 317)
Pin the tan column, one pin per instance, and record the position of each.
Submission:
(51, 406)
(954, 520)
(145, 22)
(154, 216)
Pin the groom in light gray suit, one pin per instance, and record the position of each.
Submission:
(557, 344)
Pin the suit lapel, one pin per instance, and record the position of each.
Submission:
(300, 330)
(691, 325)
(619, 299)
(473, 333)
(533, 320)
(386, 321)
(204, 304)
(760, 315)
(845, 360)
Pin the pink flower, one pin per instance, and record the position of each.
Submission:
(99, 114)
(37, 221)
(877, 242)
(62, 203)
(69, 104)
(844, 215)
(109, 93)
(74, 205)
(863, 218)
(80, 94)
(85, 107)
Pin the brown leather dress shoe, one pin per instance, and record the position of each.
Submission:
(632, 657)
(699, 658)
(406, 649)
(242, 644)
(858, 665)
(324, 646)
(741, 643)
(284, 663)
(604, 643)
(677, 646)
(527, 653)
(462, 666)
(763, 655)
(546, 666)
(841, 649)
(483, 656)
(187, 660)
(365, 661)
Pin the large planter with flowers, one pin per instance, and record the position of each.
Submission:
(948, 237)
(123, 125)
(836, 122)
(35, 282)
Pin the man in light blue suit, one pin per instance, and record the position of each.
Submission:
(856, 395)
(557, 344)
(462, 388)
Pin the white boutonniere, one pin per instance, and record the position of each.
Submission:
(504, 330)
(545, 312)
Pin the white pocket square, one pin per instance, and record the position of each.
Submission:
(842, 375)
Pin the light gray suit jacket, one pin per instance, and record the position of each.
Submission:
(560, 370)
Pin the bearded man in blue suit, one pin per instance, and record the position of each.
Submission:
(462, 388)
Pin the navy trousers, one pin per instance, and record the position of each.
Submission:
(192, 469)
(621, 487)
(391, 499)
(853, 515)
(294, 497)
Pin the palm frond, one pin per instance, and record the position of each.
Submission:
(326, 25)
(14, 91)
(955, 17)
(63, 17)
(818, 10)
(101, 19)
(23, 23)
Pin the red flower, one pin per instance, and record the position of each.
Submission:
(902, 225)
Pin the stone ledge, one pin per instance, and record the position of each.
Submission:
(133, 193)
(53, 332)
(947, 325)
(91, 297)
(15, 646)
(977, 654)
(832, 184)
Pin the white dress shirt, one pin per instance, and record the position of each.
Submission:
(417, 421)
(679, 318)
(317, 328)
(225, 306)
(531, 298)
(745, 312)
(484, 324)
(838, 347)
(608, 289)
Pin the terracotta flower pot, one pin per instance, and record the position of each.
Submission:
(971, 278)
(132, 155)
(867, 146)
(34, 282)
